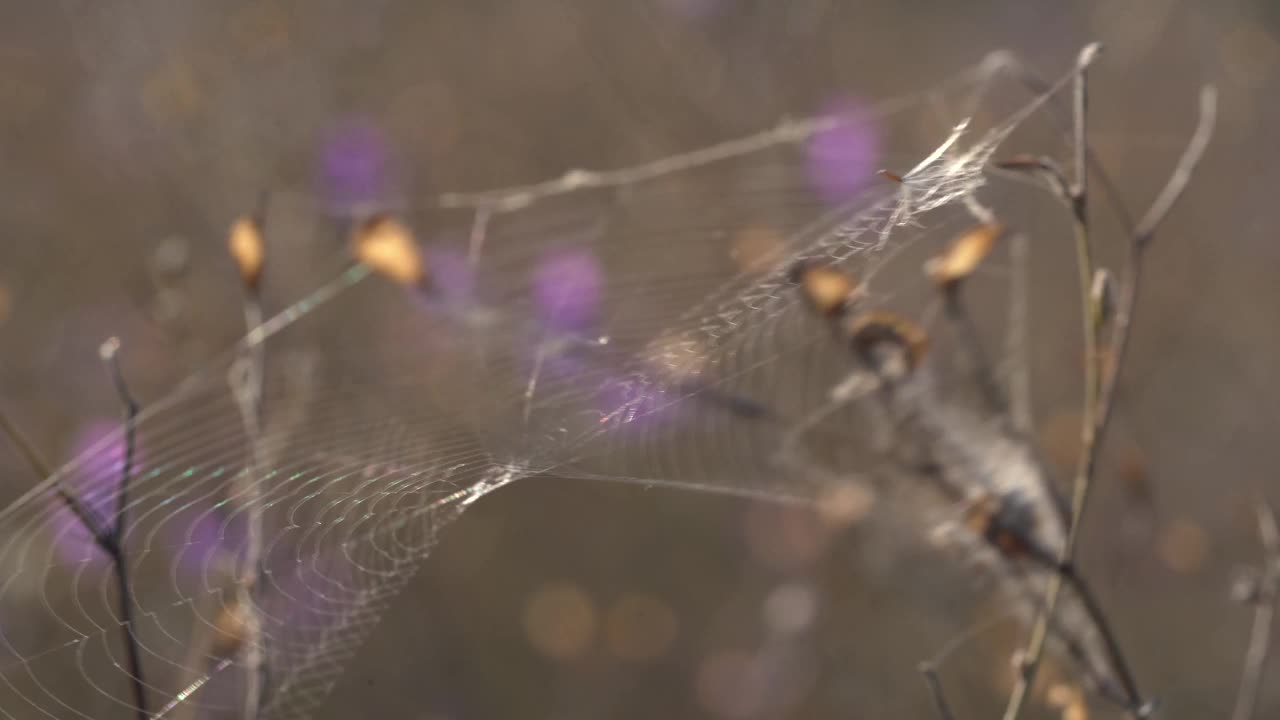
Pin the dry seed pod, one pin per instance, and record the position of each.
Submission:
(387, 245)
(964, 254)
(828, 290)
(876, 326)
(244, 241)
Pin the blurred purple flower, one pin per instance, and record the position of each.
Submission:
(355, 167)
(451, 274)
(568, 287)
(842, 159)
(199, 553)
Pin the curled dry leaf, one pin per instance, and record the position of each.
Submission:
(244, 241)
(387, 245)
(964, 254)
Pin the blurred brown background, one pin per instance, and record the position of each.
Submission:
(130, 133)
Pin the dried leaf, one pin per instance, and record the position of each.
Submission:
(828, 290)
(387, 245)
(244, 241)
(964, 254)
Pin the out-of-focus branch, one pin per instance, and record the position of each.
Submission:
(246, 379)
(109, 540)
(113, 543)
(934, 683)
(1264, 598)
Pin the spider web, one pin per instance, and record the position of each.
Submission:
(634, 325)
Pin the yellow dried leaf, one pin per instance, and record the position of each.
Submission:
(964, 254)
(244, 241)
(387, 245)
(828, 290)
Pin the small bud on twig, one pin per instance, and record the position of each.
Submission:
(387, 245)
(244, 241)
(1102, 295)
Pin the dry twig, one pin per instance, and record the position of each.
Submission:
(1267, 593)
(246, 379)
(109, 540)
(1100, 391)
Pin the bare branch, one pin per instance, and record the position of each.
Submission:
(1255, 659)
(109, 540)
(1187, 164)
(934, 683)
(246, 379)
(1017, 342)
(1090, 428)
(1100, 392)
(113, 541)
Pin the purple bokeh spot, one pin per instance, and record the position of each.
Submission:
(567, 287)
(355, 167)
(842, 159)
(452, 275)
(99, 449)
(200, 542)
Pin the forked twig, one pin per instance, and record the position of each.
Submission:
(1268, 591)
(109, 540)
(1099, 391)
(114, 545)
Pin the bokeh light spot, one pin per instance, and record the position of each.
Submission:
(640, 627)
(560, 621)
(842, 159)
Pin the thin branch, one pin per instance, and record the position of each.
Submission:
(1143, 235)
(246, 379)
(972, 352)
(934, 683)
(1099, 391)
(113, 543)
(1082, 485)
(514, 198)
(42, 470)
(1255, 659)
(109, 541)
(1017, 341)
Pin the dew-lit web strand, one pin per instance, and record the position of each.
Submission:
(290, 316)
